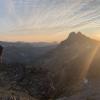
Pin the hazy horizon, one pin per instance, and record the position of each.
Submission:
(48, 20)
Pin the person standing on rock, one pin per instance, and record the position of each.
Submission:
(12, 97)
(1, 51)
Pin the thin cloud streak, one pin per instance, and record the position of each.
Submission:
(49, 16)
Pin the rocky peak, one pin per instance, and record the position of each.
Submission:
(75, 37)
(72, 34)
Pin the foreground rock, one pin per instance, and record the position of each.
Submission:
(34, 82)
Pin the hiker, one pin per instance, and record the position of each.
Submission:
(12, 97)
(1, 51)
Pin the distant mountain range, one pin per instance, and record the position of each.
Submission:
(21, 52)
(33, 44)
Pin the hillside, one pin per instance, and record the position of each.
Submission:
(75, 60)
(69, 71)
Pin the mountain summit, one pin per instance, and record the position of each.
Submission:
(77, 38)
(77, 35)
(70, 62)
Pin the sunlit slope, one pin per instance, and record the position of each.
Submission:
(71, 61)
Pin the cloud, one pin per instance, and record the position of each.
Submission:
(51, 16)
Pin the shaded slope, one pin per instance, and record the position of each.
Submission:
(70, 62)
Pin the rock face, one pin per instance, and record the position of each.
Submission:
(70, 62)
(1, 51)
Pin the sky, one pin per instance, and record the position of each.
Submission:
(48, 20)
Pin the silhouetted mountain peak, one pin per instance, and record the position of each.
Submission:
(76, 37)
(79, 33)
(72, 34)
